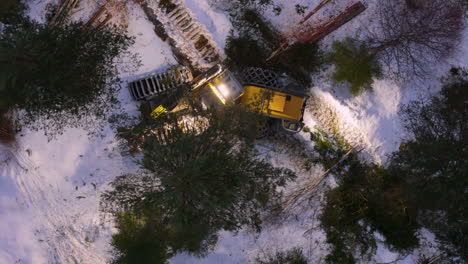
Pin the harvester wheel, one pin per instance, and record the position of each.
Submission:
(263, 130)
(268, 129)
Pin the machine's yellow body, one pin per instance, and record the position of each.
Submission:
(273, 103)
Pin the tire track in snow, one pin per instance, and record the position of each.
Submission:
(63, 240)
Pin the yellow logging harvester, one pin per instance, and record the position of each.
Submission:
(272, 94)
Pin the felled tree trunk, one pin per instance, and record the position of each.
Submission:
(335, 23)
(311, 35)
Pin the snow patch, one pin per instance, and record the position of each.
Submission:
(215, 22)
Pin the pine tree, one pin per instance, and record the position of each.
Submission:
(141, 240)
(60, 76)
(368, 199)
(354, 65)
(434, 163)
(201, 170)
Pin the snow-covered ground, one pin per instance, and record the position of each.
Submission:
(49, 190)
(49, 200)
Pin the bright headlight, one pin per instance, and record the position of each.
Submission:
(217, 93)
(224, 90)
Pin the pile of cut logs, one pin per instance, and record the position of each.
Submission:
(99, 19)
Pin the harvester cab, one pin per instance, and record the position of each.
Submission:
(222, 83)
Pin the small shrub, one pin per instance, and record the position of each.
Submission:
(354, 65)
(329, 148)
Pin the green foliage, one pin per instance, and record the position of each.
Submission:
(299, 61)
(434, 164)
(11, 10)
(60, 76)
(244, 44)
(368, 199)
(253, 20)
(292, 256)
(330, 148)
(201, 170)
(254, 35)
(354, 65)
(141, 240)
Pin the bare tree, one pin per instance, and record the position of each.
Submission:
(413, 34)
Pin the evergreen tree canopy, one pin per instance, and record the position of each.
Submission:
(10, 10)
(354, 65)
(202, 173)
(62, 75)
(434, 163)
(141, 240)
(368, 199)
